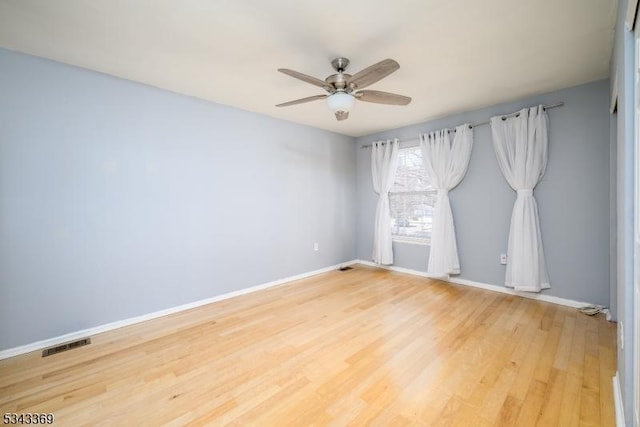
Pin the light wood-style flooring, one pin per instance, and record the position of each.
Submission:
(359, 347)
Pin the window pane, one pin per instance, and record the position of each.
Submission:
(411, 215)
(410, 175)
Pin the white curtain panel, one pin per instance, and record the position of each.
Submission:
(384, 162)
(446, 163)
(521, 144)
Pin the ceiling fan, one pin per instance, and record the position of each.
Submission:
(343, 89)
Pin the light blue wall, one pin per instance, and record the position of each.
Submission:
(573, 197)
(622, 67)
(119, 199)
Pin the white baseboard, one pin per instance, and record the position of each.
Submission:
(38, 345)
(495, 288)
(617, 401)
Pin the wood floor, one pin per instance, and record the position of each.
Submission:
(359, 347)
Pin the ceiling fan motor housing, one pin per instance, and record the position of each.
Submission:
(339, 82)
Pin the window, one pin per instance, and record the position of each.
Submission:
(411, 199)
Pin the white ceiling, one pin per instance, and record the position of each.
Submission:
(454, 55)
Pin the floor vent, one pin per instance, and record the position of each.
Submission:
(66, 346)
(345, 268)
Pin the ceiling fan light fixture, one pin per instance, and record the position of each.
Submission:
(341, 101)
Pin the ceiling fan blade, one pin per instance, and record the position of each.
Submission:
(306, 78)
(382, 97)
(372, 74)
(301, 100)
(342, 115)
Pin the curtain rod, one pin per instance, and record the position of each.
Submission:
(473, 125)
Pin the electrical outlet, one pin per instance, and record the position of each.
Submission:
(316, 247)
(503, 259)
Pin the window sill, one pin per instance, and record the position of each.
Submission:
(411, 241)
